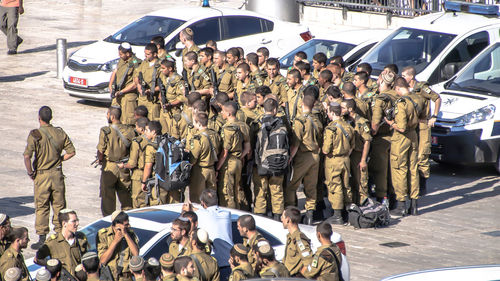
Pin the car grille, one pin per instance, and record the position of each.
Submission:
(74, 65)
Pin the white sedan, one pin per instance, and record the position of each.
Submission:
(89, 69)
(152, 226)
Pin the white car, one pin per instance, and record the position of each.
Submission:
(89, 69)
(152, 226)
(463, 273)
(351, 45)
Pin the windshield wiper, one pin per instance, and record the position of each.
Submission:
(478, 88)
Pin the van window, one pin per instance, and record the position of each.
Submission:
(207, 29)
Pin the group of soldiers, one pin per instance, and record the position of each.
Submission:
(66, 255)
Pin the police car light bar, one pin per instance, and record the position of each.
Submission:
(473, 8)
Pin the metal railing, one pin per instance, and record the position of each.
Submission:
(405, 8)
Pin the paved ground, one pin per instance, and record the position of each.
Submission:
(461, 208)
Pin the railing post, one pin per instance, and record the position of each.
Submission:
(62, 54)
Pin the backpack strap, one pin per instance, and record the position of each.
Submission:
(203, 276)
(120, 84)
(52, 142)
(415, 105)
(341, 278)
(125, 141)
(212, 147)
(275, 272)
(346, 134)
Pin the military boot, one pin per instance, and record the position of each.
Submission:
(423, 186)
(336, 218)
(414, 207)
(399, 210)
(308, 219)
(40, 242)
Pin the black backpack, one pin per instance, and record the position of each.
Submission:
(370, 214)
(172, 167)
(272, 149)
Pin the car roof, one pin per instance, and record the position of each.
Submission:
(187, 13)
(356, 36)
(451, 23)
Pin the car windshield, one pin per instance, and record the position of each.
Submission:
(328, 47)
(91, 232)
(482, 76)
(408, 46)
(142, 30)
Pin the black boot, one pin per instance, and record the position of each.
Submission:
(423, 186)
(336, 218)
(399, 210)
(277, 217)
(414, 207)
(309, 217)
(40, 242)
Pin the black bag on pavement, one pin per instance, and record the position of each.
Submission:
(370, 214)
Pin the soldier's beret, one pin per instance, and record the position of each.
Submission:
(266, 249)
(53, 262)
(12, 274)
(89, 255)
(240, 248)
(42, 275)
(167, 260)
(136, 263)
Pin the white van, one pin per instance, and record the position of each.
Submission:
(468, 127)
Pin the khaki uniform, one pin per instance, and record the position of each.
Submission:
(93, 278)
(242, 272)
(276, 270)
(424, 131)
(366, 96)
(248, 116)
(404, 147)
(113, 179)
(177, 250)
(121, 255)
(307, 137)
(251, 244)
(294, 99)
(184, 123)
(363, 108)
(198, 79)
(337, 145)
(174, 92)
(243, 87)
(278, 87)
(209, 265)
(204, 148)
(4, 245)
(359, 179)
(11, 258)
(381, 143)
(297, 252)
(225, 79)
(347, 76)
(159, 196)
(311, 82)
(69, 255)
(193, 48)
(49, 180)
(123, 78)
(258, 77)
(167, 277)
(136, 162)
(150, 72)
(216, 121)
(323, 266)
(372, 85)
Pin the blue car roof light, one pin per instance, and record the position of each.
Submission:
(473, 8)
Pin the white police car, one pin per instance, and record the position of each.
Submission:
(152, 225)
(462, 273)
(89, 69)
(438, 42)
(467, 130)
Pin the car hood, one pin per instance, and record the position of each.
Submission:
(101, 52)
(457, 103)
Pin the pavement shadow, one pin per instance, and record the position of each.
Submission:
(21, 77)
(95, 103)
(53, 47)
(14, 206)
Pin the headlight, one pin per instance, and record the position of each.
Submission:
(477, 116)
(109, 66)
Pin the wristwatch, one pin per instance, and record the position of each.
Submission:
(433, 116)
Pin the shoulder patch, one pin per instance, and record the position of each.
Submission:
(106, 130)
(53, 236)
(36, 134)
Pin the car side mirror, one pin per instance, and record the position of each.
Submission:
(450, 69)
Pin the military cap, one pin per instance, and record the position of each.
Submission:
(3, 218)
(136, 263)
(241, 249)
(167, 260)
(202, 236)
(189, 31)
(89, 255)
(126, 46)
(265, 249)
(42, 275)
(63, 211)
(153, 261)
(12, 274)
(388, 77)
(114, 214)
(53, 262)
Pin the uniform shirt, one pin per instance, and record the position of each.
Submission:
(242, 272)
(422, 89)
(335, 141)
(251, 244)
(380, 103)
(105, 237)
(276, 270)
(366, 95)
(125, 72)
(151, 148)
(209, 265)
(297, 251)
(204, 148)
(11, 258)
(198, 78)
(48, 149)
(361, 132)
(323, 265)
(243, 87)
(4, 244)
(193, 48)
(92, 278)
(372, 85)
(347, 76)
(137, 156)
(215, 120)
(225, 79)
(307, 133)
(169, 277)
(148, 69)
(185, 122)
(250, 118)
(111, 144)
(278, 87)
(234, 134)
(178, 250)
(362, 108)
(294, 98)
(311, 81)
(57, 247)
(405, 115)
(174, 91)
(258, 77)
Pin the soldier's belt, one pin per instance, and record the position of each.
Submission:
(59, 168)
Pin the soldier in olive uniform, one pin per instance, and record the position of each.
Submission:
(275, 81)
(244, 83)
(345, 75)
(5, 229)
(256, 74)
(327, 261)
(363, 92)
(159, 41)
(205, 59)
(324, 82)
(12, 257)
(209, 269)
(121, 83)
(236, 145)
(90, 264)
(67, 246)
(180, 245)
(251, 237)
(267, 265)
(148, 88)
(185, 269)
(338, 143)
(184, 121)
(362, 107)
(241, 269)
(371, 84)
(174, 94)
(197, 79)
(263, 55)
(47, 143)
(298, 247)
(203, 147)
(186, 37)
(136, 163)
(304, 156)
(113, 147)
(224, 73)
(116, 245)
(425, 124)
(404, 148)
(319, 63)
(295, 94)
(305, 72)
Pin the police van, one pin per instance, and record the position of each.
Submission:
(438, 44)
(467, 130)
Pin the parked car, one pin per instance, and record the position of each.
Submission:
(462, 273)
(89, 69)
(152, 225)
